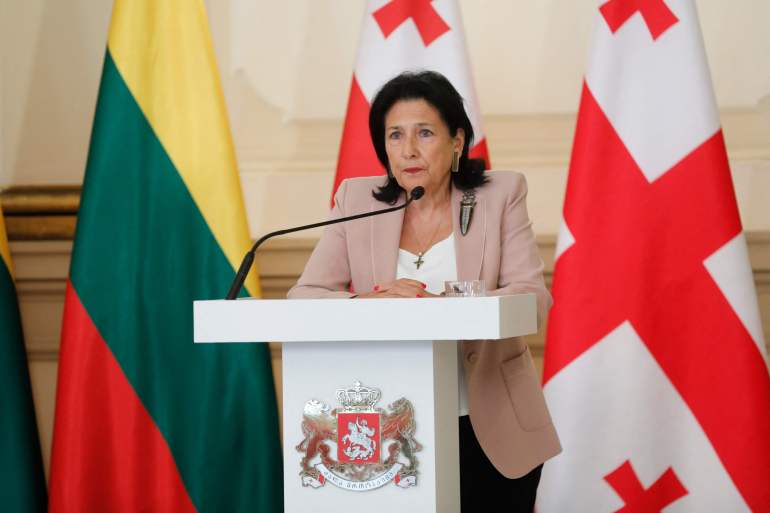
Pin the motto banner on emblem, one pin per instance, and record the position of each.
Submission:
(655, 367)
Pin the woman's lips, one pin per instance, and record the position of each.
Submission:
(412, 170)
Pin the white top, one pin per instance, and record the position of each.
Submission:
(439, 265)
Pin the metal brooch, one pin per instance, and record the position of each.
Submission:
(466, 210)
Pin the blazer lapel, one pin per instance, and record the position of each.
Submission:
(469, 248)
(385, 237)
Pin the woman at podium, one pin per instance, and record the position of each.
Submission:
(469, 225)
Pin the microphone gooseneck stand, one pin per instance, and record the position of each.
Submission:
(248, 259)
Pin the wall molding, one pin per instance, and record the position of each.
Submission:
(44, 212)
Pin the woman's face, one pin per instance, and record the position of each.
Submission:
(419, 145)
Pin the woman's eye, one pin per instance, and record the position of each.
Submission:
(425, 133)
(394, 135)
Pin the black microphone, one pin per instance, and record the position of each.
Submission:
(248, 259)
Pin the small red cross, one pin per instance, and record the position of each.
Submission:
(429, 24)
(656, 14)
(663, 492)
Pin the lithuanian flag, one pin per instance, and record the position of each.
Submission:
(22, 482)
(146, 420)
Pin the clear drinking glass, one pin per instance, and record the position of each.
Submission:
(465, 288)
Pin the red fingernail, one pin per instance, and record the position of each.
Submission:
(419, 295)
(376, 288)
(424, 286)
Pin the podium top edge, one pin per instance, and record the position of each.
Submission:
(340, 319)
(480, 299)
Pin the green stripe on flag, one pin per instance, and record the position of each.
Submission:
(144, 254)
(22, 481)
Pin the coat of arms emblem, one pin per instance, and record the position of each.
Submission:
(374, 446)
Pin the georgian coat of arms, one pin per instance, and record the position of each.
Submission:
(373, 446)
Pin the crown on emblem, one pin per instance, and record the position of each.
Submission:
(358, 397)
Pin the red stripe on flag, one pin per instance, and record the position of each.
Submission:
(357, 156)
(638, 256)
(108, 454)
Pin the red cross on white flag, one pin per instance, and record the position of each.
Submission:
(655, 367)
(396, 36)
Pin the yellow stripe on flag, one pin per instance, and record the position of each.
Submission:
(163, 51)
(5, 251)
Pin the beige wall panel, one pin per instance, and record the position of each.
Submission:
(41, 273)
(43, 374)
(276, 200)
(763, 295)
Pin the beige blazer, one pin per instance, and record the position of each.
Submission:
(505, 400)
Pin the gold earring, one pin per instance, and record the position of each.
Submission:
(455, 162)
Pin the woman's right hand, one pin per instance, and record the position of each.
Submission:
(400, 288)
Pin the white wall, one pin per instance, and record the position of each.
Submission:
(286, 69)
(52, 53)
(528, 56)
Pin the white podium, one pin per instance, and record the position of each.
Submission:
(386, 370)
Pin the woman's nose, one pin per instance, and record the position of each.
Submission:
(409, 147)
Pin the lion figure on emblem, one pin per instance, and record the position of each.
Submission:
(317, 426)
(399, 425)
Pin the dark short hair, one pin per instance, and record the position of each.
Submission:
(435, 89)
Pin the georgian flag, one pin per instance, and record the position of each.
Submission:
(401, 35)
(655, 366)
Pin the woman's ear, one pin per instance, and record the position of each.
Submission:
(459, 141)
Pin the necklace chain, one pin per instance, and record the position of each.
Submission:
(425, 247)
